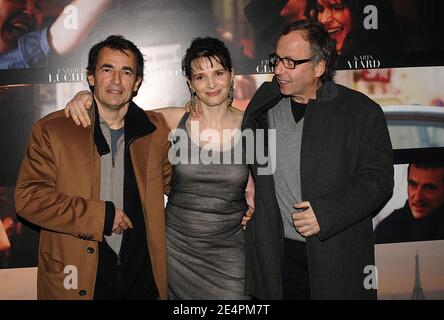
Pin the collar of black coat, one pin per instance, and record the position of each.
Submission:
(137, 124)
(268, 95)
(327, 91)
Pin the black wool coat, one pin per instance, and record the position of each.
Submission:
(346, 174)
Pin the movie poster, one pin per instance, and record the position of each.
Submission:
(409, 230)
(415, 211)
(54, 37)
(368, 33)
(410, 270)
(391, 50)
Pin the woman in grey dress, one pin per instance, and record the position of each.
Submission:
(205, 241)
(207, 202)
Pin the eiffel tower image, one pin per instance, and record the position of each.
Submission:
(418, 293)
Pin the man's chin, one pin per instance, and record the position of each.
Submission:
(419, 214)
(284, 91)
(116, 104)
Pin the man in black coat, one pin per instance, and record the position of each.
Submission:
(422, 217)
(329, 169)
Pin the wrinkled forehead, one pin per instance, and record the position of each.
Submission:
(116, 56)
(10, 5)
(294, 44)
(430, 174)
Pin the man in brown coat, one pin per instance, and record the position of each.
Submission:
(98, 193)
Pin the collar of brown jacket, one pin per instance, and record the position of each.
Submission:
(137, 124)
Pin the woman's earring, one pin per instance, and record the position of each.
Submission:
(193, 101)
(231, 94)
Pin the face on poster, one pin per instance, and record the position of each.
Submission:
(374, 33)
(416, 210)
(365, 31)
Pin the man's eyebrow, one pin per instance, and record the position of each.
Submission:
(286, 57)
(107, 65)
(128, 69)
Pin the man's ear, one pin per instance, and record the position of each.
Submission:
(137, 84)
(90, 78)
(320, 69)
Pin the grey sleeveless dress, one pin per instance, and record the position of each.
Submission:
(205, 241)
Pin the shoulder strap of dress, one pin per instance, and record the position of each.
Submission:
(182, 121)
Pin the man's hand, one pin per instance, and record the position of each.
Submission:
(247, 217)
(121, 222)
(78, 107)
(305, 221)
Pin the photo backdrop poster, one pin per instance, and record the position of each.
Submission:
(415, 212)
(391, 50)
(51, 43)
(410, 270)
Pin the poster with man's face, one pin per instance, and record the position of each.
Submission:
(54, 36)
(416, 210)
(44, 47)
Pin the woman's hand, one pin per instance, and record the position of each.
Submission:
(196, 110)
(249, 197)
(247, 216)
(78, 107)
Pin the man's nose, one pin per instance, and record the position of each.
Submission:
(418, 195)
(116, 77)
(279, 67)
(29, 7)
